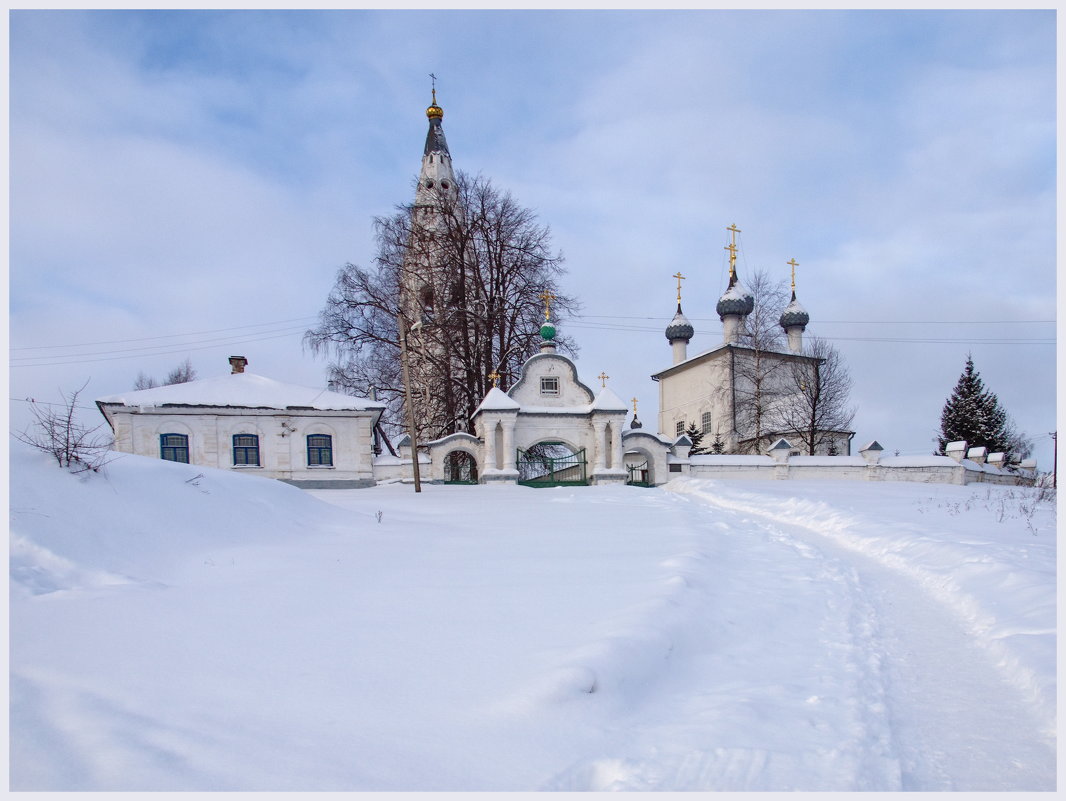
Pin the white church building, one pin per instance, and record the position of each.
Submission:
(715, 389)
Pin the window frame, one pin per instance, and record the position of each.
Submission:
(705, 423)
(175, 449)
(319, 450)
(246, 450)
(549, 386)
(679, 428)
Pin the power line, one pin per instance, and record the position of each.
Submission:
(138, 351)
(834, 322)
(927, 340)
(166, 336)
(179, 350)
(34, 401)
(591, 323)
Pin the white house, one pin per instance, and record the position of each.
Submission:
(309, 437)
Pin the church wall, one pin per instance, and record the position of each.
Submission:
(686, 395)
(847, 468)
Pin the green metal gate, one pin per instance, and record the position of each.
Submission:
(639, 475)
(539, 467)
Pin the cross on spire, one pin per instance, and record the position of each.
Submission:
(732, 248)
(634, 406)
(434, 77)
(679, 278)
(495, 378)
(794, 265)
(603, 379)
(547, 297)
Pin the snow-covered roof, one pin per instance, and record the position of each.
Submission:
(607, 401)
(245, 391)
(724, 348)
(497, 400)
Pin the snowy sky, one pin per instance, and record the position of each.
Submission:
(186, 184)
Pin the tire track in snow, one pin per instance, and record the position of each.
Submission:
(759, 694)
(964, 714)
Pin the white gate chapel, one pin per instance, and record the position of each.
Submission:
(548, 429)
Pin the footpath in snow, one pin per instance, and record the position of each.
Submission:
(176, 628)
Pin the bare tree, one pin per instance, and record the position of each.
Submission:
(465, 275)
(817, 406)
(56, 431)
(757, 366)
(181, 374)
(144, 381)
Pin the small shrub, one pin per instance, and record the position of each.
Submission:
(57, 432)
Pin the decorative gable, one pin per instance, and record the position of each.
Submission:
(550, 380)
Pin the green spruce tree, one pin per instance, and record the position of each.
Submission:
(973, 414)
(694, 433)
(717, 446)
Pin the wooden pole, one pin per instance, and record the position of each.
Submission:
(410, 405)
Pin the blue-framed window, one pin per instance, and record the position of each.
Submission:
(174, 447)
(319, 450)
(246, 449)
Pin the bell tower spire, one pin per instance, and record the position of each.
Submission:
(436, 176)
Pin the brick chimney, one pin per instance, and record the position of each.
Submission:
(237, 363)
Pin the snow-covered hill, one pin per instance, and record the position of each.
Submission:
(181, 628)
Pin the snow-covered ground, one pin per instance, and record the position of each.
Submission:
(181, 628)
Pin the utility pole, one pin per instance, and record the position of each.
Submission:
(402, 328)
(1055, 460)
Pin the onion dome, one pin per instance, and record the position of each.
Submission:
(794, 314)
(735, 300)
(435, 112)
(635, 423)
(547, 332)
(680, 327)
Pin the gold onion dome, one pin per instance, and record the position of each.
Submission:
(435, 112)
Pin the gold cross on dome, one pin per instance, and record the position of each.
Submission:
(603, 379)
(679, 278)
(794, 265)
(547, 297)
(494, 377)
(634, 406)
(732, 248)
